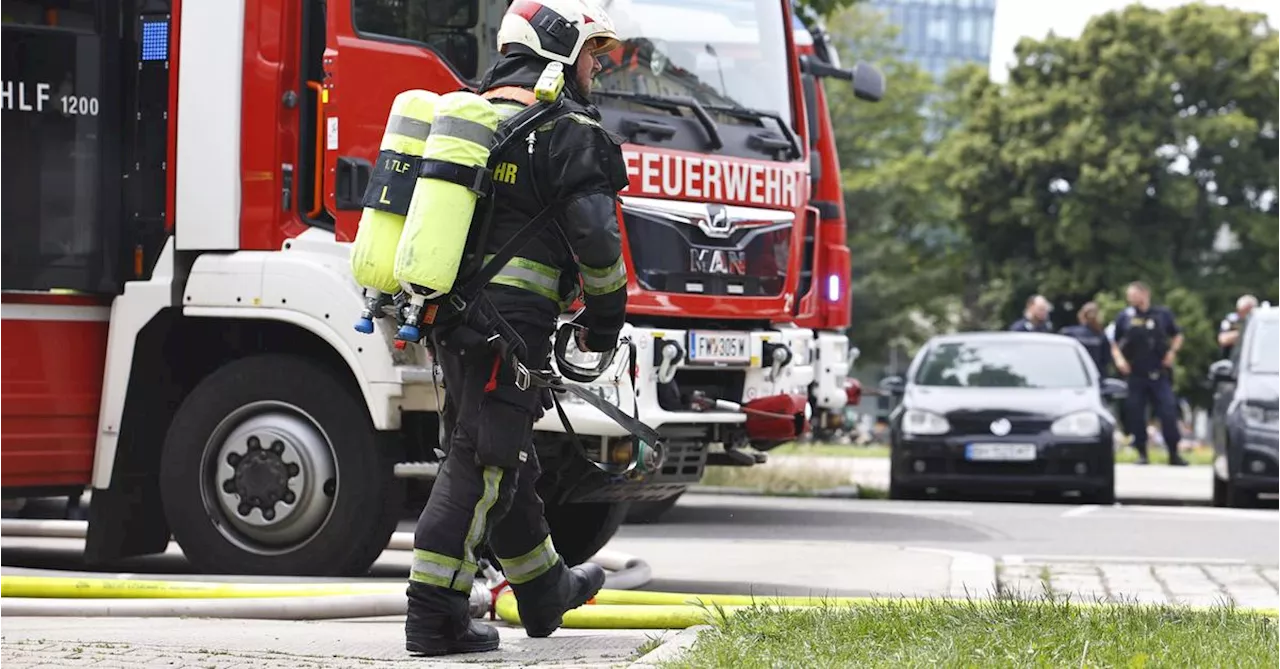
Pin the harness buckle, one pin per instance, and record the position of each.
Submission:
(522, 375)
(457, 302)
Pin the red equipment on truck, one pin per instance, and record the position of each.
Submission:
(182, 182)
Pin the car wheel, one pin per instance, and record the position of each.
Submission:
(272, 466)
(652, 512)
(1221, 491)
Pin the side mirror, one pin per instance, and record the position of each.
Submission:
(893, 385)
(868, 82)
(1114, 389)
(867, 79)
(1222, 370)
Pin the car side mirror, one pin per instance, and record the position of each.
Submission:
(1114, 389)
(1222, 370)
(893, 385)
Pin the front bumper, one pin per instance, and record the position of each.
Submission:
(1258, 467)
(735, 382)
(1060, 463)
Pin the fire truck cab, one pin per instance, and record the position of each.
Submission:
(182, 180)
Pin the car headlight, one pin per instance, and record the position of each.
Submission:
(1081, 424)
(1259, 415)
(916, 421)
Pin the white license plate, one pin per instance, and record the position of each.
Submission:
(1000, 452)
(719, 346)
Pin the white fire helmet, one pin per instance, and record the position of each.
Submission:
(557, 29)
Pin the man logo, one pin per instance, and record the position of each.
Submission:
(1001, 427)
(718, 223)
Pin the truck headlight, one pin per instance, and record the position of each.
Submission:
(918, 422)
(1080, 424)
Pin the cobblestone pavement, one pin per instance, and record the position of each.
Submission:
(135, 643)
(1173, 583)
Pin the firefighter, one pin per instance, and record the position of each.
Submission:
(1035, 317)
(484, 493)
(1229, 329)
(1145, 344)
(1091, 335)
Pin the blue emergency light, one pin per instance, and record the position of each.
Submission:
(155, 40)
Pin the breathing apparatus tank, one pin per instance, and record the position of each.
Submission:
(440, 213)
(452, 177)
(387, 200)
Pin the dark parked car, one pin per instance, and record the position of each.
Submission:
(1003, 412)
(1245, 403)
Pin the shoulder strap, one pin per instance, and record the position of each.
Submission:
(514, 93)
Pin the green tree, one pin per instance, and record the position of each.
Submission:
(906, 253)
(1131, 152)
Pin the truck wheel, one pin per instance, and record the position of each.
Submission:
(272, 466)
(652, 512)
(579, 531)
(1221, 491)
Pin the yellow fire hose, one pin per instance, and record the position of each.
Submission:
(610, 609)
(59, 587)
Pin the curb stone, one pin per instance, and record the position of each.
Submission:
(670, 649)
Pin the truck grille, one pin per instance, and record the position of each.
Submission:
(708, 249)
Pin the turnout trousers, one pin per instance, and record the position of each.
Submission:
(484, 493)
(1156, 388)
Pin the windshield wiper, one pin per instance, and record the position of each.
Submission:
(757, 114)
(673, 103)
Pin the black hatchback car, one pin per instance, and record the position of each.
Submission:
(1245, 403)
(999, 412)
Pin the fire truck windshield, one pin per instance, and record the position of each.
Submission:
(722, 53)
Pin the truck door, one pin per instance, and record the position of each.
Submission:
(381, 49)
(61, 151)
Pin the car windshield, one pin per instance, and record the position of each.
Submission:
(1264, 353)
(999, 363)
(722, 53)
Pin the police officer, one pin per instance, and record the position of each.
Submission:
(1146, 341)
(1090, 334)
(1035, 317)
(1229, 329)
(484, 492)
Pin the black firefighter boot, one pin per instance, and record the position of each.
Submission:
(543, 601)
(439, 623)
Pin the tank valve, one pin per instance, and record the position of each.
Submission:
(374, 303)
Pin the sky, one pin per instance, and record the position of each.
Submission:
(1016, 19)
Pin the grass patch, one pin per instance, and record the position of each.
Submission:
(776, 478)
(832, 450)
(1158, 455)
(651, 643)
(1000, 633)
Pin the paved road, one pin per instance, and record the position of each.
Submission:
(718, 543)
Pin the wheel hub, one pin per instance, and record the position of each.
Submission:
(270, 478)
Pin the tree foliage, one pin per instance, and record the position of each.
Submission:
(1132, 152)
(904, 249)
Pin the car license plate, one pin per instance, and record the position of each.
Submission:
(719, 346)
(1000, 452)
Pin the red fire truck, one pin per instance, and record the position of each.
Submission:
(828, 310)
(182, 180)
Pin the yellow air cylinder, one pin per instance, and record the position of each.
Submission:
(439, 218)
(373, 254)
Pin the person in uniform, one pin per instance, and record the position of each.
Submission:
(1035, 317)
(1090, 334)
(484, 493)
(1229, 329)
(1146, 340)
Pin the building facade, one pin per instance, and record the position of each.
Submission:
(939, 34)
